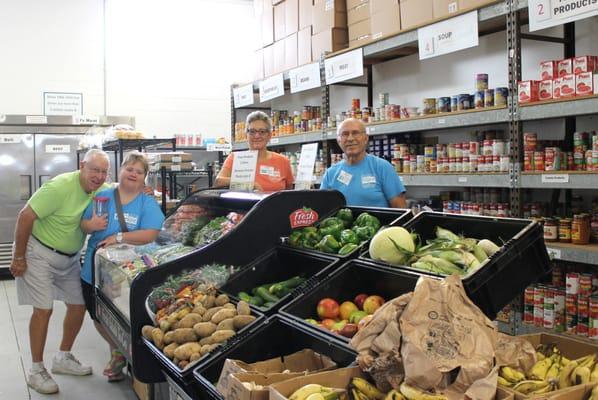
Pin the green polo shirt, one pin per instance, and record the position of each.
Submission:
(59, 205)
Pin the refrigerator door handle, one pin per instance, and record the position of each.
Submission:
(26, 189)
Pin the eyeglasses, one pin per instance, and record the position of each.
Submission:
(98, 171)
(255, 132)
(346, 134)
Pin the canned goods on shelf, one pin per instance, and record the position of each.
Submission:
(479, 99)
(481, 82)
(489, 98)
(501, 95)
(429, 106)
(443, 104)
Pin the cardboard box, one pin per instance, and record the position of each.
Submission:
(568, 85)
(580, 392)
(545, 92)
(279, 22)
(305, 9)
(304, 46)
(444, 8)
(584, 84)
(290, 51)
(330, 40)
(358, 14)
(556, 88)
(328, 14)
(549, 70)
(528, 91)
(291, 11)
(502, 394)
(416, 13)
(385, 20)
(359, 33)
(465, 5)
(354, 3)
(238, 391)
(268, 61)
(267, 26)
(377, 6)
(279, 59)
(565, 67)
(338, 378)
(584, 64)
(142, 390)
(171, 157)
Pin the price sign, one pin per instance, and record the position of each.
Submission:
(555, 178)
(305, 77)
(462, 179)
(554, 254)
(219, 147)
(58, 148)
(271, 88)
(546, 13)
(10, 139)
(243, 173)
(36, 119)
(448, 36)
(344, 67)
(305, 169)
(274, 140)
(243, 96)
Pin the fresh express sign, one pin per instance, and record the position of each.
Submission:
(303, 217)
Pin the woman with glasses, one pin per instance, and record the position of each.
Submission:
(273, 171)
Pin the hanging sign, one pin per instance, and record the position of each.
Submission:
(547, 13)
(344, 66)
(243, 96)
(243, 173)
(305, 169)
(305, 77)
(448, 36)
(271, 88)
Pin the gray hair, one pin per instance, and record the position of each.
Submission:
(136, 157)
(360, 122)
(93, 153)
(259, 116)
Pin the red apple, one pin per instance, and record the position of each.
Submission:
(349, 330)
(359, 299)
(328, 308)
(328, 323)
(346, 309)
(372, 303)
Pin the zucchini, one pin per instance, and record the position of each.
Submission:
(266, 295)
(255, 300)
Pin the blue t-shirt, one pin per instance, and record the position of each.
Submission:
(370, 183)
(140, 213)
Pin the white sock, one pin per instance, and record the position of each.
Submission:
(61, 355)
(37, 367)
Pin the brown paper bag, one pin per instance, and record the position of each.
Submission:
(447, 340)
(515, 352)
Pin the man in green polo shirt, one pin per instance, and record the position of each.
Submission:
(46, 263)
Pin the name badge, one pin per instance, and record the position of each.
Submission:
(344, 178)
(266, 170)
(368, 180)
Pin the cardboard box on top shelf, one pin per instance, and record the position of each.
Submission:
(328, 14)
(330, 40)
(268, 61)
(338, 378)
(355, 3)
(267, 25)
(445, 8)
(305, 10)
(377, 6)
(359, 33)
(279, 58)
(279, 21)
(290, 51)
(416, 13)
(291, 10)
(473, 4)
(258, 65)
(304, 46)
(358, 14)
(385, 19)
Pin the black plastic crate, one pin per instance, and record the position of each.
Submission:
(387, 216)
(521, 261)
(277, 337)
(353, 278)
(279, 264)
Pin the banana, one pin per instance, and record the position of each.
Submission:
(315, 396)
(540, 356)
(367, 388)
(530, 386)
(564, 378)
(587, 361)
(503, 382)
(312, 388)
(581, 375)
(394, 395)
(545, 389)
(511, 374)
(594, 395)
(564, 361)
(540, 369)
(357, 395)
(594, 374)
(553, 372)
(412, 393)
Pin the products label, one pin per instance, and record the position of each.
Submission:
(546, 13)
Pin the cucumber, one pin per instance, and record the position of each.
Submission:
(244, 296)
(255, 300)
(266, 295)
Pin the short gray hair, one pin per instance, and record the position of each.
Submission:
(136, 157)
(258, 116)
(93, 153)
(359, 122)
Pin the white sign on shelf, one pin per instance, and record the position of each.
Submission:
(271, 88)
(448, 36)
(305, 77)
(36, 119)
(85, 120)
(305, 169)
(462, 179)
(10, 139)
(175, 168)
(555, 178)
(243, 173)
(546, 13)
(344, 66)
(59, 103)
(219, 147)
(554, 254)
(58, 148)
(274, 140)
(243, 96)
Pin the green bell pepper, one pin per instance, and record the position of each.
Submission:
(334, 230)
(348, 236)
(328, 244)
(365, 219)
(346, 249)
(295, 238)
(364, 232)
(311, 237)
(346, 215)
(330, 221)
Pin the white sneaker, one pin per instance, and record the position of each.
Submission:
(69, 365)
(42, 382)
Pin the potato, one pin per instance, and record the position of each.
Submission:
(175, 326)
(243, 308)
(158, 338)
(241, 321)
(229, 305)
(213, 346)
(146, 332)
(221, 300)
(184, 335)
(172, 318)
(206, 340)
(189, 320)
(205, 349)
(195, 357)
(184, 351)
(210, 313)
(169, 350)
(182, 312)
(165, 325)
(223, 314)
(204, 329)
(168, 337)
(209, 301)
(226, 325)
(199, 309)
(221, 336)
(183, 364)
(176, 361)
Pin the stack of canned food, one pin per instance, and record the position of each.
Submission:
(549, 156)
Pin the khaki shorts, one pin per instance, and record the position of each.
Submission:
(49, 276)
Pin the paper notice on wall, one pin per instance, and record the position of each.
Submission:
(243, 173)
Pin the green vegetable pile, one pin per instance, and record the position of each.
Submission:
(337, 235)
(270, 293)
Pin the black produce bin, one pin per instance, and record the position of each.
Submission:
(353, 278)
(387, 216)
(279, 264)
(277, 337)
(521, 261)
(184, 376)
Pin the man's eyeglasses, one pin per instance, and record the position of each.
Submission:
(255, 132)
(99, 171)
(346, 134)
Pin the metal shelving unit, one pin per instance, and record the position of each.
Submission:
(585, 254)
(499, 180)
(297, 138)
(559, 108)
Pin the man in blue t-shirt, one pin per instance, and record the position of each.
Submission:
(365, 180)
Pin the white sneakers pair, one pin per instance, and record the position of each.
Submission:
(41, 381)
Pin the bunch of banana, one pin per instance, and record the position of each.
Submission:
(360, 389)
(594, 394)
(314, 392)
(531, 387)
(411, 393)
(509, 377)
(577, 372)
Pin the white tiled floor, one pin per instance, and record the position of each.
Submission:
(15, 356)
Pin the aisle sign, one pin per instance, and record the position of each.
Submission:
(555, 178)
(10, 139)
(243, 96)
(547, 13)
(344, 66)
(305, 169)
(305, 77)
(448, 36)
(243, 173)
(271, 88)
